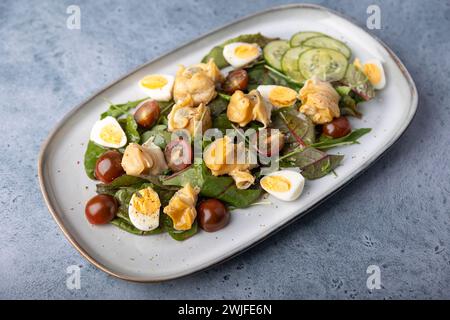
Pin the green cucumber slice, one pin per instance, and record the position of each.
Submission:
(329, 43)
(299, 37)
(273, 52)
(326, 64)
(289, 63)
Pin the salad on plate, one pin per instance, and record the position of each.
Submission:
(249, 124)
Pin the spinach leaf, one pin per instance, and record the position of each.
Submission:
(218, 105)
(93, 152)
(193, 174)
(216, 53)
(124, 194)
(352, 138)
(130, 127)
(161, 137)
(128, 227)
(314, 163)
(120, 182)
(358, 82)
(261, 74)
(117, 110)
(297, 127)
(178, 235)
(222, 123)
(348, 107)
(222, 188)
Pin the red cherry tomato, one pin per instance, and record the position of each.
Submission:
(337, 128)
(212, 215)
(147, 113)
(235, 80)
(109, 166)
(101, 209)
(178, 154)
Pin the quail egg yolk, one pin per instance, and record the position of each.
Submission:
(111, 134)
(154, 82)
(246, 51)
(282, 97)
(276, 183)
(373, 73)
(146, 202)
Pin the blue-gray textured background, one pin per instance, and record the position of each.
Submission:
(396, 215)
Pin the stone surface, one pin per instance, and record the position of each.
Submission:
(396, 215)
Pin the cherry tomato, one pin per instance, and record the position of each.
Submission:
(101, 209)
(147, 113)
(337, 128)
(236, 80)
(212, 215)
(267, 138)
(178, 154)
(108, 166)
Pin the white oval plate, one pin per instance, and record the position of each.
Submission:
(66, 188)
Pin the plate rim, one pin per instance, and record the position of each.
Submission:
(67, 116)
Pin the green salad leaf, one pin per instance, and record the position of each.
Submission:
(358, 82)
(216, 53)
(117, 110)
(120, 182)
(222, 123)
(128, 227)
(122, 189)
(179, 235)
(326, 142)
(218, 105)
(222, 188)
(261, 74)
(297, 128)
(161, 137)
(93, 152)
(349, 107)
(130, 128)
(314, 163)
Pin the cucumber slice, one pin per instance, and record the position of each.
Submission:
(326, 64)
(289, 63)
(273, 52)
(329, 43)
(299, 37)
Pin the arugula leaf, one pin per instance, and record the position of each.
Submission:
(93, 152)
(222, 188)
(117, 110)
(161, 137)
(326, 142)
(359, 83)
(216, 53)
(165, 108)
(297, 127)
(314, 163)
(130, 128)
